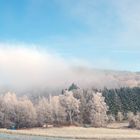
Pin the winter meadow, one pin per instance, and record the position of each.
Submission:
(69, 69)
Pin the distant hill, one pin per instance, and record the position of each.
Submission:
(107, 78)
(84, 78)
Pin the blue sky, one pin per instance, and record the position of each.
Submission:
(102, 33)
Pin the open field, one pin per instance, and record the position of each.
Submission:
(114, 132)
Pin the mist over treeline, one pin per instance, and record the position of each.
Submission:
(32, 70)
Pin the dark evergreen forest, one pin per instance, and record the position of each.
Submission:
(122, 100)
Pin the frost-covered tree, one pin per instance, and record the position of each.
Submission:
(44, 112)
(99, 110)
(58, 111)
(86, 103)
(25, 113)
(16, 112)
(9, 104)
(71, 106)
(93, 109)
(1, 111)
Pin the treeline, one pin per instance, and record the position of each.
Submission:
(73, 107)
(79, 107)
(122, 100)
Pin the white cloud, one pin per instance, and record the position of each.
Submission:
(25, 67)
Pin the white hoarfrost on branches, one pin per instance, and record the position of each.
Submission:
(99, 110)
(16, 112)
(58, 111)
(43, 110)
(71, 106)
(25, 113)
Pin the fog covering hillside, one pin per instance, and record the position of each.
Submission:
(31, 70)
(84, 78)
(107, 78)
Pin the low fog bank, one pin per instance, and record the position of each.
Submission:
(27, 69)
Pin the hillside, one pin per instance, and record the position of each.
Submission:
(106, 78)
(83, 77)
